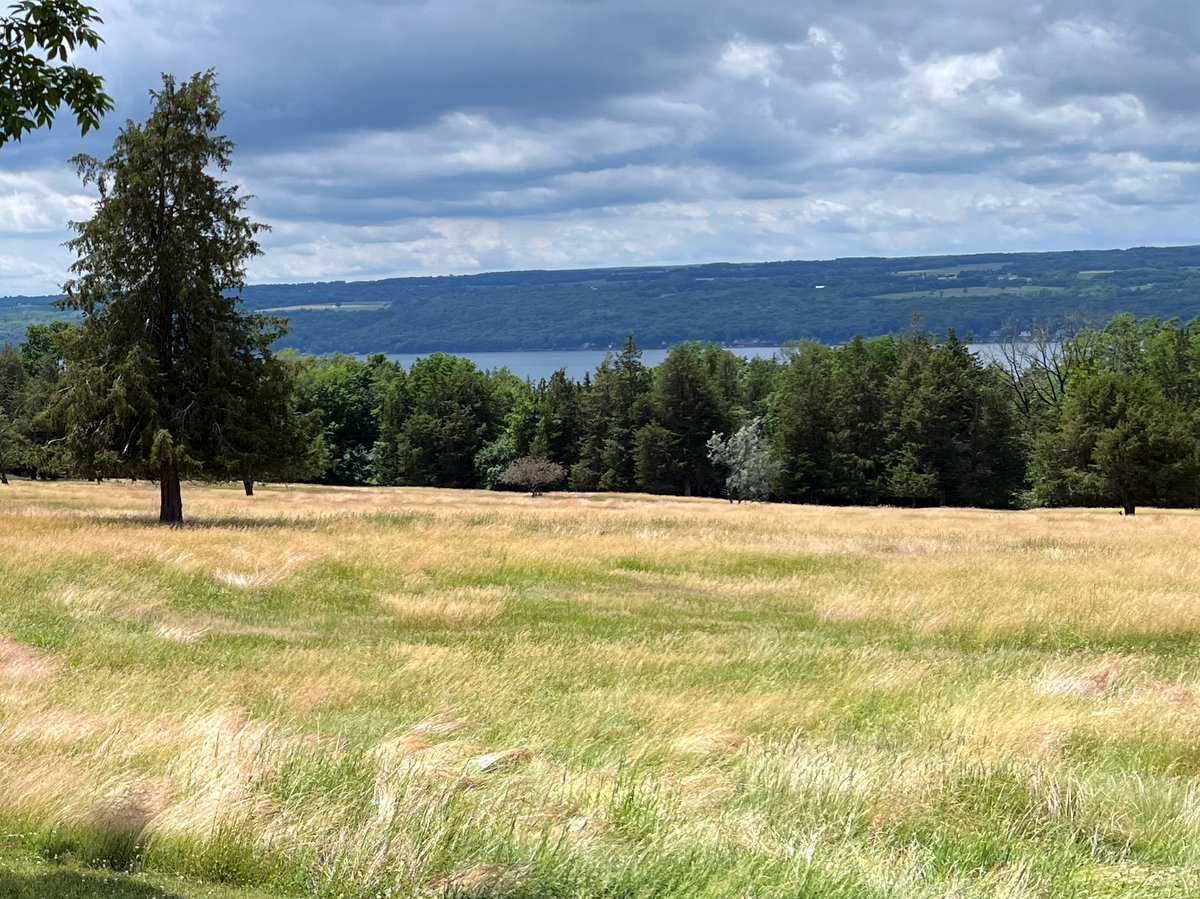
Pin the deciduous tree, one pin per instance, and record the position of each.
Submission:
(35, 78)
(534, 474)
(752, 470)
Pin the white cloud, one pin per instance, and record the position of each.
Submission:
(947, 78)
(742, 59)
(819, 37)
(443, 136)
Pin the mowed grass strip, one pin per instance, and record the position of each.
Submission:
(404, 692)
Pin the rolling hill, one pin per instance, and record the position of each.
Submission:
(735, 304)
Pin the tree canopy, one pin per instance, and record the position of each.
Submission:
(35, 77)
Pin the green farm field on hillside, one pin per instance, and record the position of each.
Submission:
(405, 692)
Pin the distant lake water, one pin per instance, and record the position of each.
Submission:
(535, 365)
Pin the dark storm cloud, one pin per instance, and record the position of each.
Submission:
(449, 135)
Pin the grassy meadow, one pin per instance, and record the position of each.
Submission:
(407, 692)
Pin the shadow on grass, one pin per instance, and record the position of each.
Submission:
(225, 522)
(76, 885)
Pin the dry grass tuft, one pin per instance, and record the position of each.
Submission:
(181, 632)
(245, 581)
(846, 610)
(476, 880)
(258, 573)
(407, 754)
(1178, 693)
(470, 605)
(1085, 679)
(50, 783)
(441, 725)
(20, 663)
(701, 791)
(907, 791)
(190, 628)
(712, 740)
(84, 602)
(131, 806)
(224, 757)
(401, 747)
(504, 758)
(60, 727)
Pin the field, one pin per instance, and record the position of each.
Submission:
(328, 307)
(949, 291)
(402, 692)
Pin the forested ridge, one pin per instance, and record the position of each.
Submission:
(1107, 416)
(762, 304)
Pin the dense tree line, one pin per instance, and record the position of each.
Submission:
(1106, 416)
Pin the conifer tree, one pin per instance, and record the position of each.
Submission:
(167, 373)
(1118, 440)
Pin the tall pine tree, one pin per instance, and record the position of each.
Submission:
(164, 372)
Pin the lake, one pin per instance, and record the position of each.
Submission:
(535, 365)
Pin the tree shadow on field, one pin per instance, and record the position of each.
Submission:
(76, 885)
(225, 522)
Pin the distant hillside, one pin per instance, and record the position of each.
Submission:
(18, 313)
(748, 304)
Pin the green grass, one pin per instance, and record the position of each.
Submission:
(393, 693)
(25, 874)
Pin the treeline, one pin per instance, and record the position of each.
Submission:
(1105, 416)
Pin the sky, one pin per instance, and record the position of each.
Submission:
(385, 138)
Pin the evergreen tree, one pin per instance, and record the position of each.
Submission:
(14, 380)
(44, 453)
(596, 402)
(273, 442)
(857, 439)
(450, 412)
(689, 404)
(631, 384)
(656, 464)
(952, 430)
(164, 353)
(802, 417)
(1118, 440)
(557, 420)
(613, 407)
(14, 397)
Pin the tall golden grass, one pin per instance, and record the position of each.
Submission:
(410, 692)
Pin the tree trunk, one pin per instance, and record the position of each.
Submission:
(170, 498)
(248, 483)
(3, 479)
(1127, 506)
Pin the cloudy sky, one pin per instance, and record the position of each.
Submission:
(397, 137)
